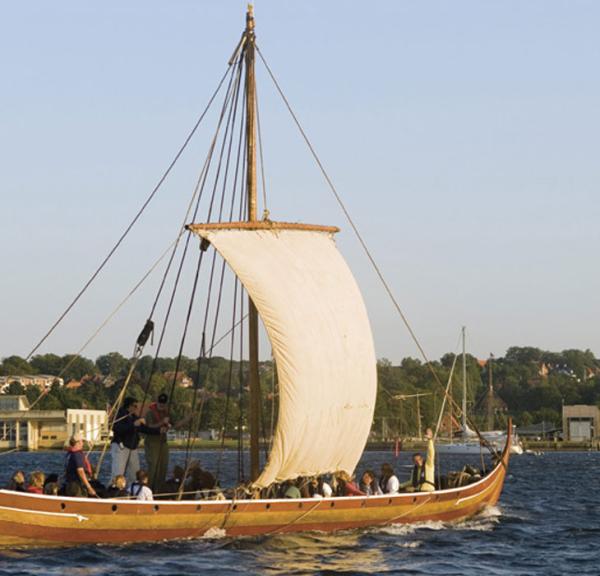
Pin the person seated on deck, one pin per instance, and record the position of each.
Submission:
(368, 484)
(302, 485)
(173, 484)
(388, 483)
(77, 470)
(140, 490)
(201, 483)
(318, 488)
(17, 482)
(422, 478)
(51, 478)
(271, 491)
(416, 476)
(36, 482)
(117, 488)
(51, 488)
(291, 490)
(348, 487)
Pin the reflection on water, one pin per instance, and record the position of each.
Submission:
(311, 553)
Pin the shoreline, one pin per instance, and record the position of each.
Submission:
(406, 446)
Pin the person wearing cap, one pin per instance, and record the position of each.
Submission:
(156, 446)
(77, 469)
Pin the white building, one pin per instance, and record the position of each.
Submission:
(44, 381)
(21, 427)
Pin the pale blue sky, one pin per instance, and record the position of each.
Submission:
(462, 135)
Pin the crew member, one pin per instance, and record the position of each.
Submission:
(126, 437)
(78, 470)
(422, 478)
(156, 446)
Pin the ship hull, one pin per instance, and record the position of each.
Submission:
(36, 520)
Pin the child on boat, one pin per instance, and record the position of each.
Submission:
(140, 489)
(118, 487)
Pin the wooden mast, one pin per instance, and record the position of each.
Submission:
(254, 408)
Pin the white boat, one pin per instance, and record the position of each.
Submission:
(469, 442)
(470, 446)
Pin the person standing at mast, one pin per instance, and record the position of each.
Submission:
(428, 477)
(156, 446)
(126, 438)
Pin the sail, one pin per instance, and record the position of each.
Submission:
(317, 323)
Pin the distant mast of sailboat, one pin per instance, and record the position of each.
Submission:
(464, 375)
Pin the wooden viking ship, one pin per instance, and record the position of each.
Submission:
(316, 320)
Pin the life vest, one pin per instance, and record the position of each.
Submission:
(156, 412)
(418, 476)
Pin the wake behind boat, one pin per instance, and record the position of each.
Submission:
(313, 312)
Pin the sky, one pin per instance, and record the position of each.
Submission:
(463, 137)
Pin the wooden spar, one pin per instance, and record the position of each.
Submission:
(254, 408)
(262, 225)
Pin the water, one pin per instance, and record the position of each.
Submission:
(547, 522)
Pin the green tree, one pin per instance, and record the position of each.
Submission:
(47, 364)
(112, 364)
(78, 367)
(16, 366)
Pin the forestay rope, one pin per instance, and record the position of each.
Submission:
(366, 249)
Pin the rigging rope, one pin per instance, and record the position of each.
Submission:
(230, 102)
(191, 439)
(197, 194)
(262, 161)
(135, 219)
(446, 395)
(365, 247)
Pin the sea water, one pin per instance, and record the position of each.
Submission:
(547, 522)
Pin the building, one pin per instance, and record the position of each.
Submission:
(21, 427)
(44, 381)
(581, 422)
(541, 431)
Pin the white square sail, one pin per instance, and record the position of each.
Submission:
(317, 323)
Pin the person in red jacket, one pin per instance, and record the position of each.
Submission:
(347, 486)
(36, 482)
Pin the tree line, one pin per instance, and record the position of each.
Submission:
(529, 384)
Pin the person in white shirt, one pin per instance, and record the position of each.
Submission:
(389, 482)
(318, 488)
(140, 489)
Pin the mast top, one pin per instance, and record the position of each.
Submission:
(250, 18)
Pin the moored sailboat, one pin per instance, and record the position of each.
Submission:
(315, 318)
(469, 443)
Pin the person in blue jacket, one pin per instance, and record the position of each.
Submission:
(126, 437)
